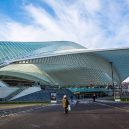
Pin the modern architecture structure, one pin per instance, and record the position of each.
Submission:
(61, 63)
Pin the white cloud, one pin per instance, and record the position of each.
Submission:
(12, 31)
(92, 5)
(92, 23)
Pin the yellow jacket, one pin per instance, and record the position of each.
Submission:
(65, 102)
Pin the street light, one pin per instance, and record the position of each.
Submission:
(112, 78)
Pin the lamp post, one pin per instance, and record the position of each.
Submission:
(112, 78)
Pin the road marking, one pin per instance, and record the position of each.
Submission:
(24, 111)
(35, 126)
(113, 106)
(85, 101)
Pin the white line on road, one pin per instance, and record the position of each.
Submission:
(24, 111)
(122, 109)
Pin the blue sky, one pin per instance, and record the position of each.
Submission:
(91, 23)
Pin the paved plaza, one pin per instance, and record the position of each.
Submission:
(84, 115)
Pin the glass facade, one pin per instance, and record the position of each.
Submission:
(63, 63)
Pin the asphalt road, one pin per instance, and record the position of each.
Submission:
(84, 115)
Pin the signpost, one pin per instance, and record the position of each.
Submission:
(117, 94)
(53, 98)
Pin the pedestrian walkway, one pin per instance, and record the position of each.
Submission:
(88, 115)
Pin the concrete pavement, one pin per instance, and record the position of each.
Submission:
(84, 115)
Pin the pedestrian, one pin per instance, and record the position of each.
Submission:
(65, 104)
(94, 97)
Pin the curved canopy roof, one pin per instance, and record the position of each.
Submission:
(10, 51)
(67, 63)
(27, 71)
(119, 58)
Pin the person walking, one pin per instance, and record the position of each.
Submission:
(94, 97)
(65, 104)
